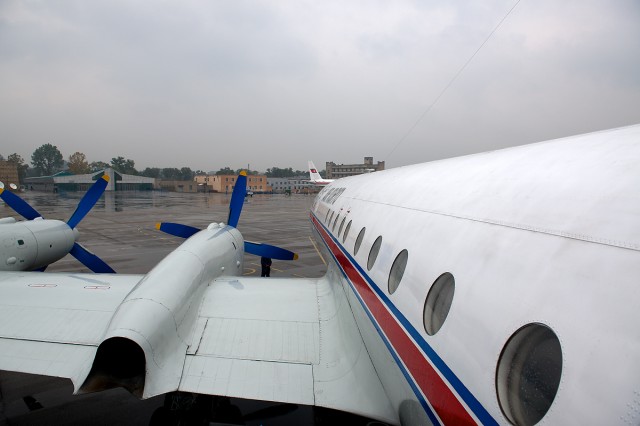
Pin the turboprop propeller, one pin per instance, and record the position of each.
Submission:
(235, 208)
(87, 202)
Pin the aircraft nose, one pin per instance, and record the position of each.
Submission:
(76, 234)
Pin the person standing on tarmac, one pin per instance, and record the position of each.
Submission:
(265, 262)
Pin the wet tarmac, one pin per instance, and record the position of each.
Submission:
(121, 227)
(121, 230)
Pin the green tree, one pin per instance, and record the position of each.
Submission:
(97, 166)
(152, 172)
(78, 163)
(47, 159)
(283, 173)
(226, 171)
(19, 162)
(171, 173)
(186, 173)
(124, 165)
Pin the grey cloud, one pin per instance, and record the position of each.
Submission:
(277, 83)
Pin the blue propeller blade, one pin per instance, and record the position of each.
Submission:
(88, 201)
(237, 199)
(19, 205)
(235, 208)
(177, 229)
(267, 250)
(90, 260)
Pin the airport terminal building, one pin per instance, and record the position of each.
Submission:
(8, 173)
(337, 171)
(294, 185)
(225, 183)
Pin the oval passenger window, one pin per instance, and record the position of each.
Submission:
(356, 246)
(373, 253)
(438, 303)
(397, 271)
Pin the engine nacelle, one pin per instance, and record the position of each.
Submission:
(145, 345)
(31, 244)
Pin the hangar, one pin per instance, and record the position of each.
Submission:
(65, 181)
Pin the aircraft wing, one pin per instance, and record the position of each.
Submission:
(52, 323)
(285, 340)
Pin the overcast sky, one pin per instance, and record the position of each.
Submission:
(209, 84)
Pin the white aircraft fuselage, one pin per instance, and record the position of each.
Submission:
(542, 242)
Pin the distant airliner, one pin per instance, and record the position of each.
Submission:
(314, 176)
(496, 288)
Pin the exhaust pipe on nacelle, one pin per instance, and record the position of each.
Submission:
(119, 362)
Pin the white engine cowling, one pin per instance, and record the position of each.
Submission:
(145, 345)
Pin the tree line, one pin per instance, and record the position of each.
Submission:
(48, 160)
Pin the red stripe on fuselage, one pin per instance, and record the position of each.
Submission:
(440, 396)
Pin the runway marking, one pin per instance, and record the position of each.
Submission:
(317, 251)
